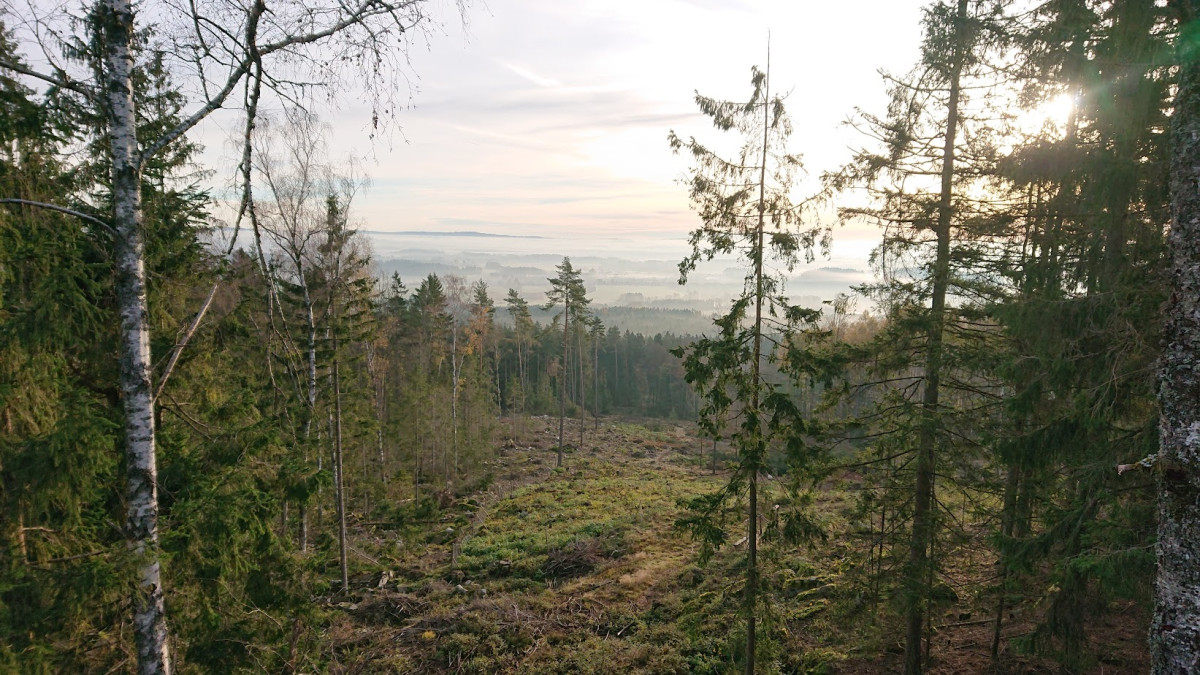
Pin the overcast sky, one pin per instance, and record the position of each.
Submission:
(547, 117)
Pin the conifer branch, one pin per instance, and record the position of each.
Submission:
(61, 209)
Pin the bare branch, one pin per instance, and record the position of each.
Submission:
(354, 16)
(184, 339)
(50, 79)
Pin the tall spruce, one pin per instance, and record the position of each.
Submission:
(746, 210)
(931, 395)
(1088, 217)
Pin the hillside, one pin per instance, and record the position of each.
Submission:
(581, 570)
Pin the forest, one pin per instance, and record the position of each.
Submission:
(257, 453)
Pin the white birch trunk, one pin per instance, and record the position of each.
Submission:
(141, 494)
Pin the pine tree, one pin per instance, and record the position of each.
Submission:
(566, 289)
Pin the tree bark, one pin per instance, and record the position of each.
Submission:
(582, 387)
(141, 492)
(1175, 629)
(596, 383)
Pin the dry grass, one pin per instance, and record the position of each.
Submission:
(581, 570)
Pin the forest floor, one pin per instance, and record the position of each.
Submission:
(582, 570)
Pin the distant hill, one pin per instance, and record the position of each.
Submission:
(648, 321)
(461, 233)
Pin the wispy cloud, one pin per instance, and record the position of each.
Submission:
(531, 76)
(552, 117)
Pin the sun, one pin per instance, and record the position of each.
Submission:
(1049, 117)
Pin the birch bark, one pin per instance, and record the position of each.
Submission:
(141, 490)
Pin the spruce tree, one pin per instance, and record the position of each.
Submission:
(928, 366)
(746, 210)
(1088, 215)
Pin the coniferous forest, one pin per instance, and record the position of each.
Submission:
(229, 444)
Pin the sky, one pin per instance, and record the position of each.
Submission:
(550, 117)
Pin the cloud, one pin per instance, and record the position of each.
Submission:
(551, 117)
(530, 75)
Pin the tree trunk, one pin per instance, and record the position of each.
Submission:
(454, 368)
(582, 390)
(141, 493)
(562, 376)
(339, 484)
(755, 376)
(1008, 521)
(596, 383)
(1175, 629)
(916, 574)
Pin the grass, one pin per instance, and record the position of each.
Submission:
(581, 570)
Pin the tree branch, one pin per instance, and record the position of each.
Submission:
(62, 209)
(184, 339)
(57, 82)
(357, 16)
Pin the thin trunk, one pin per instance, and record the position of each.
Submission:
(521, 374)
(916, 572)
(878, 577)
(929, 568)
(1012, 484)
(311, 393)
(755, 378)
(596, 383)
(1175, 630)
(366, 474)
(379, 446)
(141, 470)
(454, 368)
(339, 486)
(562, 384)
(582, 391)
